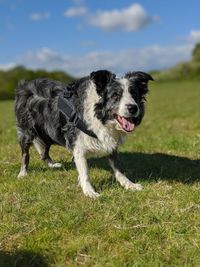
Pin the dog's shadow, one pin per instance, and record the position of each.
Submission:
(22, 259)
(151, 167)
(140, 166)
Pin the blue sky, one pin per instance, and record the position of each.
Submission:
(79, 36)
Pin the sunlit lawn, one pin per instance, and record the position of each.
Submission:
(45, 220)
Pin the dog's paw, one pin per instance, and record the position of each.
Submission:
(92, 194)
(21, 174)
(133, 186)
(127, 184)
(54, 165)
(89, 191)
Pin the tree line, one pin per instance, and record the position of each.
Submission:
(10, 78)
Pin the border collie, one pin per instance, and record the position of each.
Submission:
(109, 106)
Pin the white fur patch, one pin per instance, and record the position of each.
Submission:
(126, 99)
(22, 173)
(54, 165)
(81, 165)
(108, 136)
(108, 140)
(40, 147)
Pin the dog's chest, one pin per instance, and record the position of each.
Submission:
(106, 143)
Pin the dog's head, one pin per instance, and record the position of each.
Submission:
(121, 99)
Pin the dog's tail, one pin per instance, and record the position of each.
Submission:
(23, 91)
(38, 90)
(23, 94)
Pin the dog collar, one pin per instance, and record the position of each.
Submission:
(68, 110)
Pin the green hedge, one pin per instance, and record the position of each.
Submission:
(9, 79)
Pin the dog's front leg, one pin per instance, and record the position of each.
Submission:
(81, 165)
(120, 177)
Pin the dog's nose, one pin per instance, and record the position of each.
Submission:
(132, 108)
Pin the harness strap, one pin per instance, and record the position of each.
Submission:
(69, 112)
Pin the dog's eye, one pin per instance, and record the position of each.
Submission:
(115, 97)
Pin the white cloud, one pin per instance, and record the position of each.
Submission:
(132, 18)
(75, 11)
(147, 58)
(120, 61)
(194, 36)
(39, 16)
(41, 59)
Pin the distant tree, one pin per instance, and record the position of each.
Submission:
(196, 53)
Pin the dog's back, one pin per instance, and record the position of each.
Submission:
(36, 110)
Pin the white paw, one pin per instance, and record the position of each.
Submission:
(54, 165)
(89, 191)
(127, 184)
(21, 174)
(133, 187)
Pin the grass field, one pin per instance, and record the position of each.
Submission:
(45, 220)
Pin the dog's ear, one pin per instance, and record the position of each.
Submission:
(142, 78)
(101, 78)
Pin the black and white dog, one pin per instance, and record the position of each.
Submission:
(109, 106)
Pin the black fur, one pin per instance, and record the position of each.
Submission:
(37, 114)
(138, 89)
(101, 79)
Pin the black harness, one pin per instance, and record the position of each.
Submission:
(69, 111)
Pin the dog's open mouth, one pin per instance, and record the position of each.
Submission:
(125, 123)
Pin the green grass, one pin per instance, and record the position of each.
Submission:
(45, 220)
(189, 70)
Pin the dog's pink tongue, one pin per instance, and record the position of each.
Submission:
(126, 125)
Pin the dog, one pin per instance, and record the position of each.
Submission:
(110, 107)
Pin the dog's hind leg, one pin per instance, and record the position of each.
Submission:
(25, 143)
(120, 177)
(43, 150)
